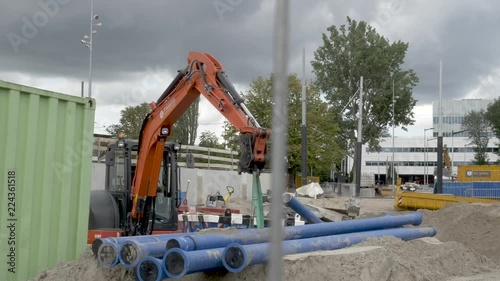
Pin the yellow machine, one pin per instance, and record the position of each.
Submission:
(230, 191)
(405, 200)
(309, 179)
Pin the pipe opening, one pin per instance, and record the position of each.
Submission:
(128, 253)
(173, 243)
(174, 263)
(107, 255)
(234, 257)
(95, 246)
(149, 271)
(287, 197)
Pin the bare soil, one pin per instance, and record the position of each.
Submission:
(466, 248)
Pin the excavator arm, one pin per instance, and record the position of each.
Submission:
(203, 75)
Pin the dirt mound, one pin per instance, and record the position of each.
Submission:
(477, 226)
(470, 245)
(393, 260)
(85, 268)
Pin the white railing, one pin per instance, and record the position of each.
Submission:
(223, 159)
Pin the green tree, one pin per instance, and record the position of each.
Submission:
(478, 126)
(323, 151)
(493, 116)
(231, 137)
(349, 52)
(185, 129)
(209, 139)
(131, 118)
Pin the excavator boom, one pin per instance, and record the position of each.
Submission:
(204, 75)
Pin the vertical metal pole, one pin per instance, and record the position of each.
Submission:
(452, 154)
(439, 187)
(393, 166)
(303, 127)
(91, 46)
(360, 138)
(98, 149)
(83, 89)
(378, 170)
(232, 167)
(425, 158)
(280, 127)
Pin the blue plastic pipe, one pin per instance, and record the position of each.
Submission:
(107, 254)
(140, 239)
(254, 236)
(150, 269)
(129, 250)
(177, 263)
(236, 257)
(300, 209)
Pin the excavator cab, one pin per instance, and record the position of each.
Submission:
(109, 207)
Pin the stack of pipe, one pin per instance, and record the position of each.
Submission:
(130, 250)
(156, 257)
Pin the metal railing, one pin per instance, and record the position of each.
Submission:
(488, 193)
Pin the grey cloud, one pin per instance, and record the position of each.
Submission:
(137, 36)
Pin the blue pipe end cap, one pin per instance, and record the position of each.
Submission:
(175, 263)
(150, 269)
(418, 218)
(234, 257)
(129, 253)
(108, 255)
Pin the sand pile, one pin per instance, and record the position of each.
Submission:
(477, 226)
(86, 268)
(395, 260)
(469, 235)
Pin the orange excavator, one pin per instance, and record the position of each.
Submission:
(135, 203)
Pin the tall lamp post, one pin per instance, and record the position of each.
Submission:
(87, 41)
(425, 156)
(426, 163)
(393, 160)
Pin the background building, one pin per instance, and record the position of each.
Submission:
(454, 112)
(415, 158)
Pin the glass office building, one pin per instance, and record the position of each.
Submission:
(454, 112)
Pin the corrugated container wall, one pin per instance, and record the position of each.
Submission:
(478, 173)
(45, 174)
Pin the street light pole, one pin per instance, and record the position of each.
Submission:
(90, 49)
(88, 41)
(393, 160)
(392, 171)
(425, 157)
(428, 158)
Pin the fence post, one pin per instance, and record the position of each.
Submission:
(232, 160)
(472, 183)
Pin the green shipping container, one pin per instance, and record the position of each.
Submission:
(45, 176)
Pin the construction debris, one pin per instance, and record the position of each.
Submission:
(312, 190)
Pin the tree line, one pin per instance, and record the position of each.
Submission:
(347, 52)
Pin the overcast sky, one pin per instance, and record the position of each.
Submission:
(142, 44)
